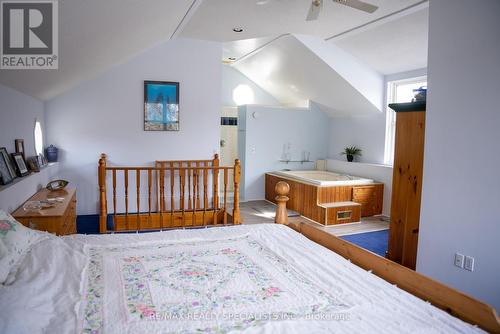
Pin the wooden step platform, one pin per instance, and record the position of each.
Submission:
(341, 212)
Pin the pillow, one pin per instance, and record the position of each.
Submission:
(16, 240)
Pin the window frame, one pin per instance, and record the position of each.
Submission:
(390, 120)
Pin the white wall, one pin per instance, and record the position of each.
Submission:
(106, 114)
(380, 173)
(261, 140)
(18, 113)
(232, 78)
(405, 75)
(365, 132)
(461, 187)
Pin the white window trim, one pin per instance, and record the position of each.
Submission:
(390, 123)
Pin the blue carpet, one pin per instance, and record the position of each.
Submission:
(375, 242)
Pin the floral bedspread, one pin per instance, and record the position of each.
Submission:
(210, 286)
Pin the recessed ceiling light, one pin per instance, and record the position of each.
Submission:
(231, 58)
(238, 29)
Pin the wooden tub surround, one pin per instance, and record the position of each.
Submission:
(438, 294)
(330, 205)
(180, 193)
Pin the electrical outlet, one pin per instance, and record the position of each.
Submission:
(469, 263)
(459, 260)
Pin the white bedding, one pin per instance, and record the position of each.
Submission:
(253, 279)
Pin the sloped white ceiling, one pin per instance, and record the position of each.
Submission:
(95, 35)
(215, 19)
(396, 46)
(294, 74)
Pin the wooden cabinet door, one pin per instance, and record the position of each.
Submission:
(407, 187)
(370, 198)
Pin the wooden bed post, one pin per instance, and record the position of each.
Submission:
(282, 190)
(103, 212)
(236, 206)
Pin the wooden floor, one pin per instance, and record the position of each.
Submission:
(258, 212)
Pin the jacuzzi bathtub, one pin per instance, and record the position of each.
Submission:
(323, 178)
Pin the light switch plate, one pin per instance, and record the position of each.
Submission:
(459, 260)
(469, 263)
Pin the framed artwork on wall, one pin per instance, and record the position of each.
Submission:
(22, 170)
(33, 164)
(8, 163)
(5, 175)
(19, 143)
(161, 106)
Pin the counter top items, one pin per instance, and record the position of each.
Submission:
(420, 94)
(33, 164)
(57, 185)
(20, 164)
(51, 211)
(52, 153)
(351, 152)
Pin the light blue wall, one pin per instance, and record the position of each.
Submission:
(368, 131)
(261, 139)
(461, 186)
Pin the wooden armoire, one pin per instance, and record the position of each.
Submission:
(407, 182)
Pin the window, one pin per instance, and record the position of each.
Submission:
(38, 138)
(397, 92)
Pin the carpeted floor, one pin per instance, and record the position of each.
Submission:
(375, 242)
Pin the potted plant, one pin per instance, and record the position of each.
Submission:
(351, 152)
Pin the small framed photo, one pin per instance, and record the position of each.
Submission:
(33, 164)
(161, 106)
(39, 161)
(22, 170)
(42, 161)
(5, 176)
(8, 162)
(19, 143)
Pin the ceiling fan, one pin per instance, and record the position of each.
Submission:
(317, 5)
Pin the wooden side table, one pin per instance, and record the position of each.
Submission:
(59, 219)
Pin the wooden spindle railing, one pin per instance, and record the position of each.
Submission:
(138, 195)
(226, 172)
(195, 208)
(236, 207)
(150, 184)
(205, 194)
(103, 212)
(125, 175)
(114, 193)
(172, 197)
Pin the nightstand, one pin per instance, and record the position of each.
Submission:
(59, 219)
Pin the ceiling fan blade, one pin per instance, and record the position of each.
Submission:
(314, 10)
(358, 4)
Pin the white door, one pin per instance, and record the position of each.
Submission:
(229, 141)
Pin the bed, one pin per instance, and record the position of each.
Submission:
(264, 278)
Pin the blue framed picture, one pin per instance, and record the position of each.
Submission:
(161, 106)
